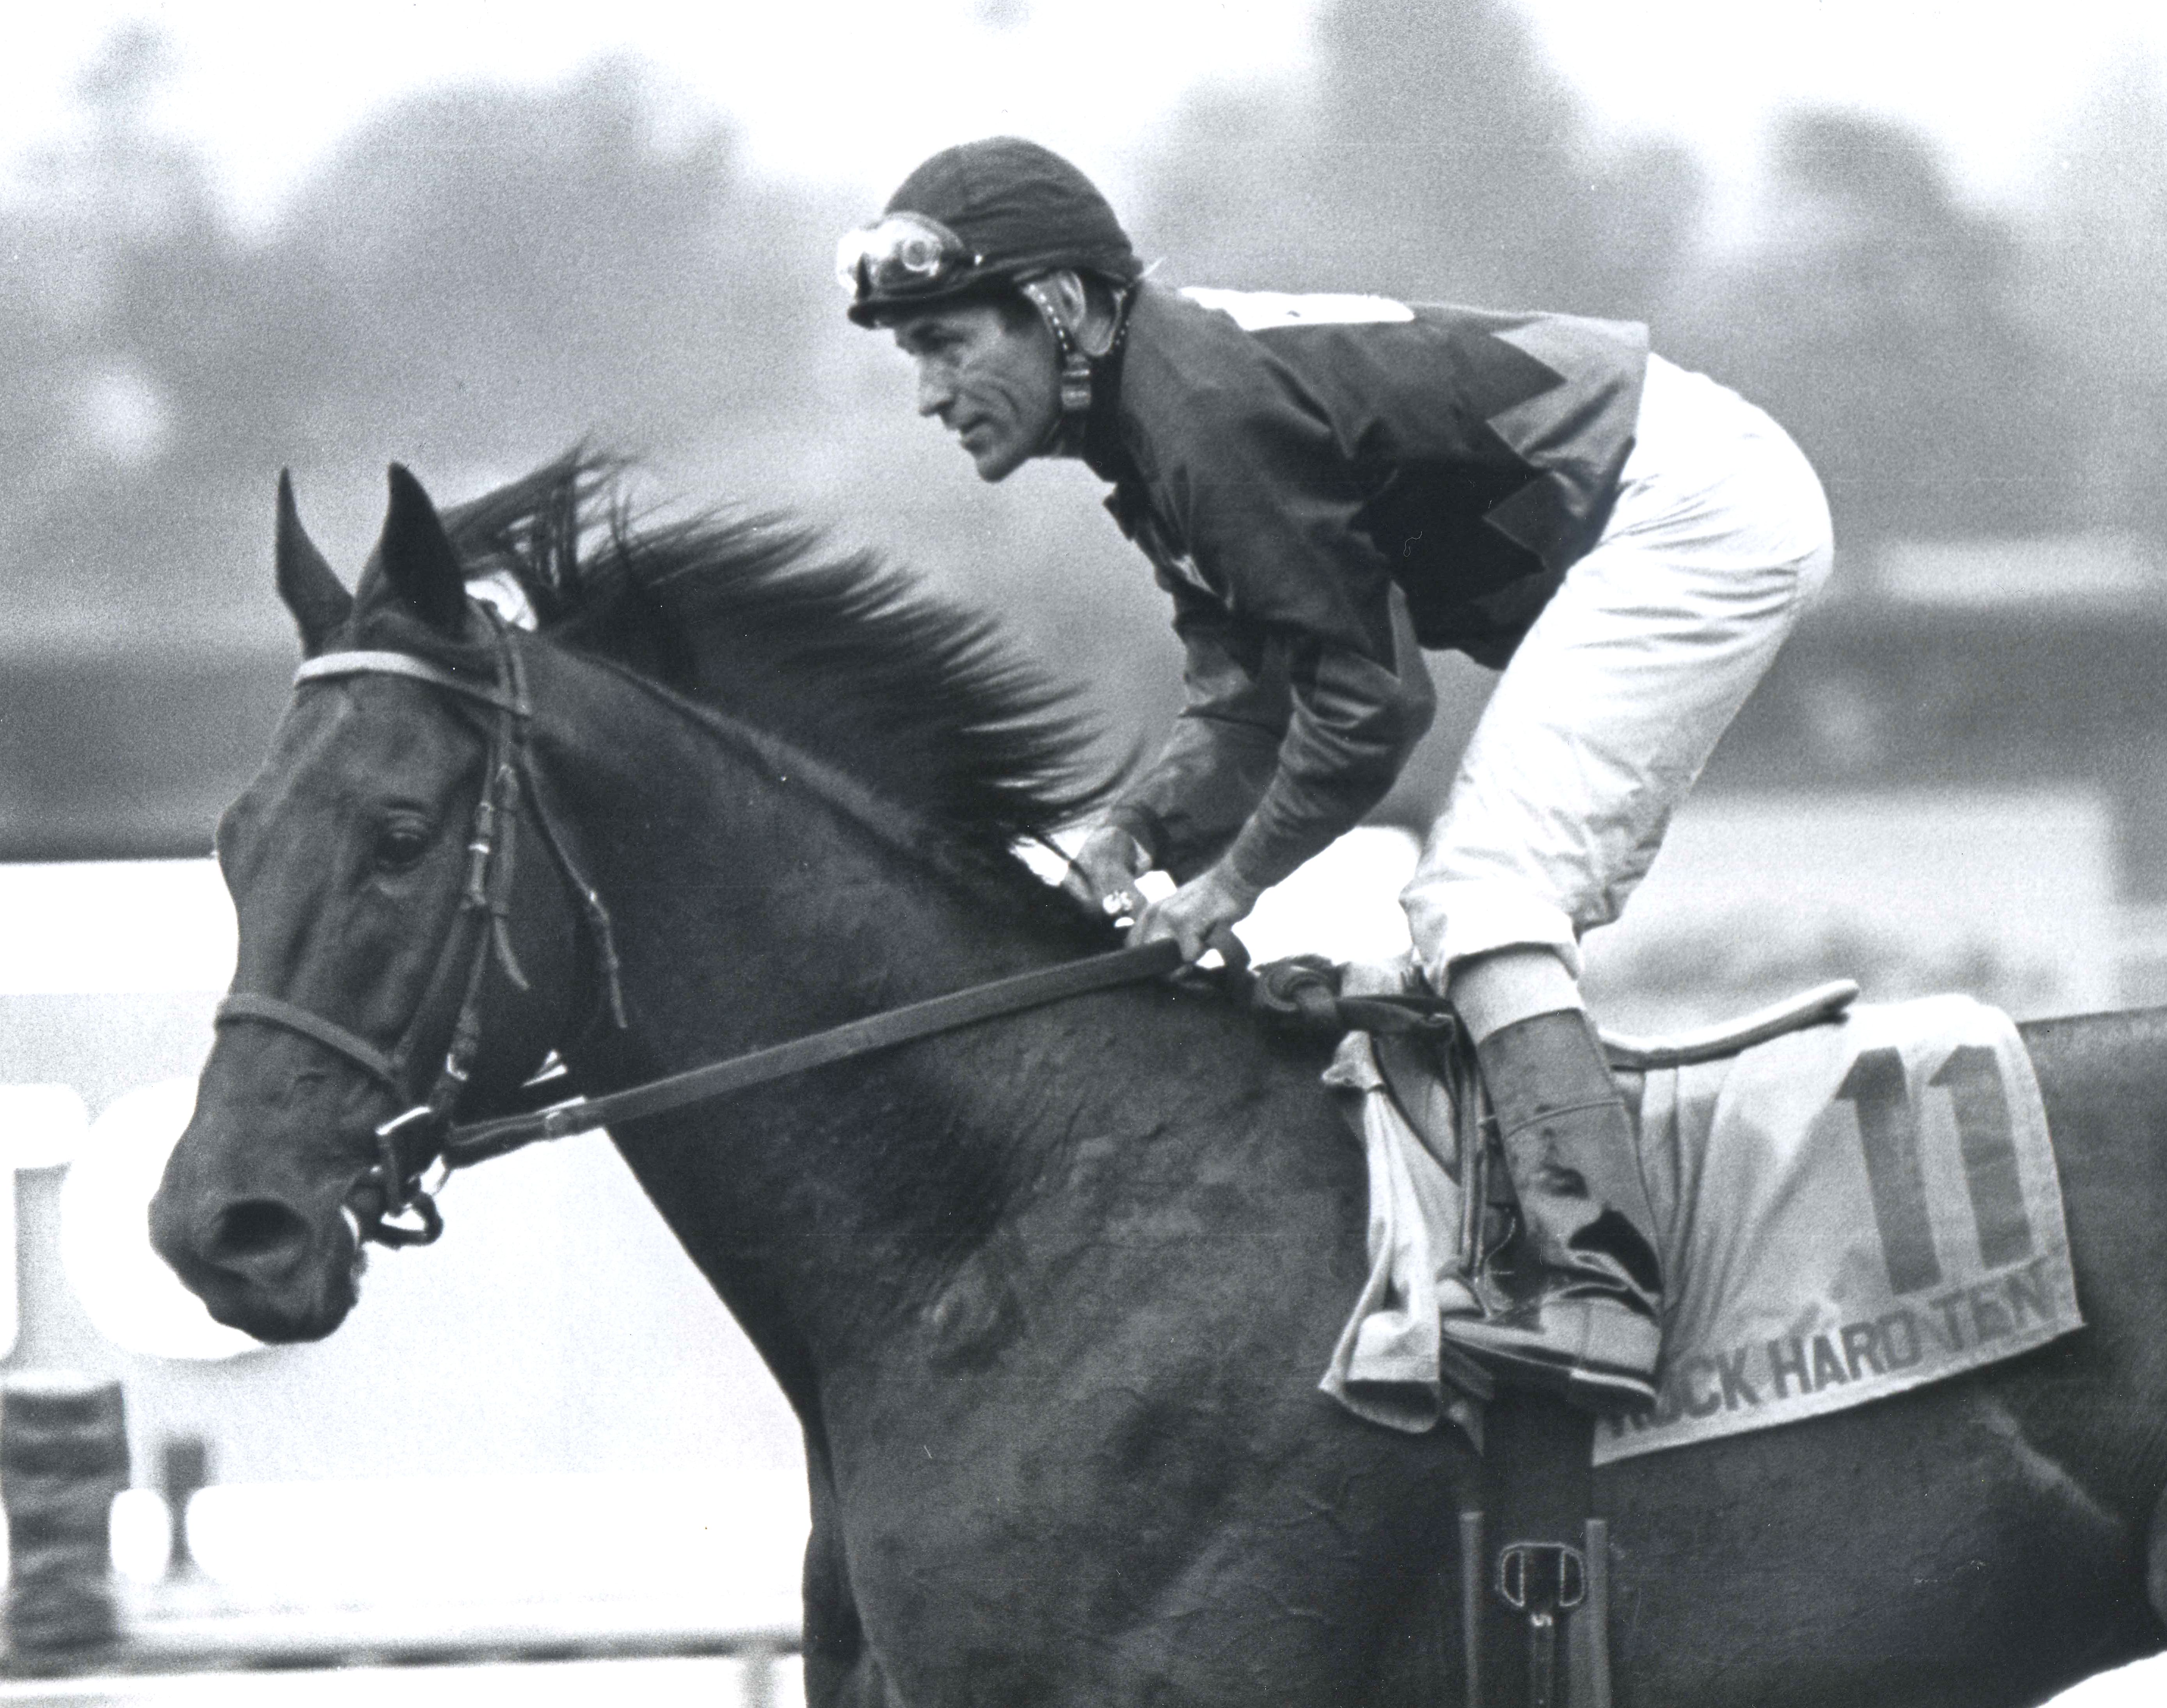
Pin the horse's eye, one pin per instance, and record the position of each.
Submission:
(399, 845)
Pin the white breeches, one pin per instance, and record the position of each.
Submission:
(1615, 699)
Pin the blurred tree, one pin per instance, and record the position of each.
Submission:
(1877, 318)
(2093, 289)
(86, 413)
(477, 277)
(1462, 153)
(1226, 195)
(1437, 156)
(488, 271)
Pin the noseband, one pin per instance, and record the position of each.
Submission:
(408, 1141)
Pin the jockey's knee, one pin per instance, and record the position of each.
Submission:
(1492, 991)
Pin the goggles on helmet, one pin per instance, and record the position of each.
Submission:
(902, 254)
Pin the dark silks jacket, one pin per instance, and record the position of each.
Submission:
(1326, 485)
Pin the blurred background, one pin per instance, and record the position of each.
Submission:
(1928, 237)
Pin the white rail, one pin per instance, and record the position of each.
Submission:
(405, 1636)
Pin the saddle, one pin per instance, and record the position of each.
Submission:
(1533, 1602)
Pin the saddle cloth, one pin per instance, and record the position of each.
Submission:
(1844, 1211)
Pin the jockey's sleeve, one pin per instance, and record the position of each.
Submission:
(1284, 743)
(1224, 748)
(1356, 718)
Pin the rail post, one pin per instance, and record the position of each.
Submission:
(63, 1458)
(758, 1664)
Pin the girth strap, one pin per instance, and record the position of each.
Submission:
(272, 1010)
(1534, 1562)
(483, 1139)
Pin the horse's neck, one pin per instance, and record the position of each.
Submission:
(750, 906)
(759, 894)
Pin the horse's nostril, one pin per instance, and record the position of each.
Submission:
(259, 1228)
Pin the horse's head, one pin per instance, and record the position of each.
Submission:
(408, 945)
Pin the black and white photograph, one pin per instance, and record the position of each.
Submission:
(1076, 852)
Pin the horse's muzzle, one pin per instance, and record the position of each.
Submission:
(260, 1264)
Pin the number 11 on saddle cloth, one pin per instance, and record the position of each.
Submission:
(1846, 1212)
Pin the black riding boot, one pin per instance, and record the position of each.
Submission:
(1591, 1328)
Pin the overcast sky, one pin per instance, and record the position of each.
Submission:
(857, 91)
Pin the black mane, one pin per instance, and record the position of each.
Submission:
(923, 700)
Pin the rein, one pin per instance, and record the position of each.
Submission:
(482, 934)
(480, 1140)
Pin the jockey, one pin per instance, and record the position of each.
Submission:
(1326, 485)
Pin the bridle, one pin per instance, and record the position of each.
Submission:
(423, 1134)
(409, 1141)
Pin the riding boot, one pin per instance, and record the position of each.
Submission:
(1590, 1324)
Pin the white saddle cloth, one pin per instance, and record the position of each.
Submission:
(1844, 1211)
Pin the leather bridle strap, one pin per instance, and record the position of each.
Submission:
(478, 1141)
(333, 664)
(461, 967)
(272, 1010)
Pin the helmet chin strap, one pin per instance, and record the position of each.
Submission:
(1064, 437)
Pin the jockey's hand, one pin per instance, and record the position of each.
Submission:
(1199, 915)
(1104, 871)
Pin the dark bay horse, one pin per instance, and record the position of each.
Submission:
(1050, 1295)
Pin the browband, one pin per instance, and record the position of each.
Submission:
(332, 666)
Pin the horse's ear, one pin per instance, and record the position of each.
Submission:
(418, 559)
(305, 581)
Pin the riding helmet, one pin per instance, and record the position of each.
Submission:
(980, 215)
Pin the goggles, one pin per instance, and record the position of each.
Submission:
(903, 255)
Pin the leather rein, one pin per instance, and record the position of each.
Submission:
(424, 1133)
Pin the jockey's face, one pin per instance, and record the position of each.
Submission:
(988, 370)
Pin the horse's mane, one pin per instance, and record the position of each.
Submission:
(922, 699)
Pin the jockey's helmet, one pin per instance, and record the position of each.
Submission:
(976, 218)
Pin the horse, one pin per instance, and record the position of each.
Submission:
(1050, 1295)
